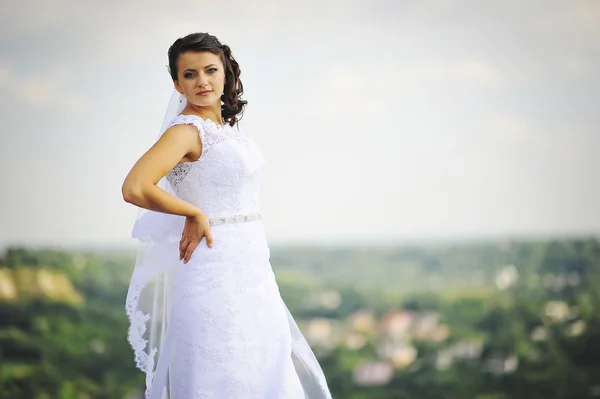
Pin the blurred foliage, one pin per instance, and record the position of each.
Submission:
(63, 326)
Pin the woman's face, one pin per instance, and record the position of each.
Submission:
(201, 77)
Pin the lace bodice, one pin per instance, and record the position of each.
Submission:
(228, 177)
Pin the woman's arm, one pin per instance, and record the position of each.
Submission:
(181, 142)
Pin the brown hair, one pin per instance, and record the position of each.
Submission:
(233, 104)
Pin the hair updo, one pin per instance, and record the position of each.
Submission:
(233, 105)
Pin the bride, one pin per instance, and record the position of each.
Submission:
(207, 319)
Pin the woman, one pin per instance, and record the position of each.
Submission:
(207, 319)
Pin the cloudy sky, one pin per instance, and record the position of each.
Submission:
(381, 120)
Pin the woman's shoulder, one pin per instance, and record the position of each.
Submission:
(211, 133)
(186, 119)
(204, 122)
(193, 121)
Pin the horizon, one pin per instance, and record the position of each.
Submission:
(333, 245)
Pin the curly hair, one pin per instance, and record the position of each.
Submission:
(233, 105)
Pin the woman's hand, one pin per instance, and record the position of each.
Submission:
(196, 227)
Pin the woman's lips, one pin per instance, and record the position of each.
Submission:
(204, 93)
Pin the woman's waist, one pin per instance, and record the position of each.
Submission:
(224, 218)
(239, 231)
(244, 242)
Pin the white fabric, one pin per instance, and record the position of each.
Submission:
(150, 290)
(217, 326)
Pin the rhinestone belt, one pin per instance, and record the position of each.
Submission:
(249, 217)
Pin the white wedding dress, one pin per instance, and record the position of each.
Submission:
(229, 334)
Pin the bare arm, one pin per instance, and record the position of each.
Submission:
(178, 143)
(181, 142)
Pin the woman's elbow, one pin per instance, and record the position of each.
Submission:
(132, 193)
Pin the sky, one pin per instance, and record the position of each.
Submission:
(381, 120)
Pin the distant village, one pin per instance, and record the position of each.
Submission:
(395, 333)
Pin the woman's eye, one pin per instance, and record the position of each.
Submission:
(212, 70)
(188, 75)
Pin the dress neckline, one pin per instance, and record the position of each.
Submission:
(207, 120)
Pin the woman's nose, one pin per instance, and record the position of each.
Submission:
(202, 80)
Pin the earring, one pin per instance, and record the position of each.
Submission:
(180, 98)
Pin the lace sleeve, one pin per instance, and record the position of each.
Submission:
(197, 122)
(180, 171)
